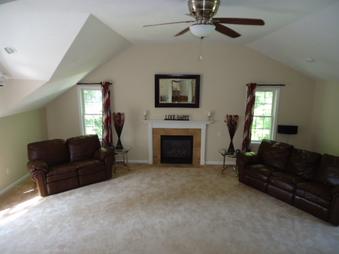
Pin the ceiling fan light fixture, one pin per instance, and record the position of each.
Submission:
(10, 50)
(202, 30)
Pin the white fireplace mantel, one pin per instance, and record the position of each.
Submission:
(169, 124)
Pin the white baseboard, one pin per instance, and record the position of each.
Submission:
(135, 161)
(213, 162)
(9, 187)
(220, 163)
(139, 161)
(206, 163)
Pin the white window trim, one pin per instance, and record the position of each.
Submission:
(82, 105)
(276, 94)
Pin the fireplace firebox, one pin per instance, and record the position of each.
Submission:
(176, 149)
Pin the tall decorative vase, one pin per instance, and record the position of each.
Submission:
(119, 120)
(232, 125)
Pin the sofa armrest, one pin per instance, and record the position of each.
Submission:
(248, 158)
(335, 191)
(103, 153)
(37, 167)
(38, 170)
(334, 212)
(244, 160)
(107, 155)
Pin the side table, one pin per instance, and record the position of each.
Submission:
(123, 153)
(226, 155)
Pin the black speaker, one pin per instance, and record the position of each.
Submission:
(288, 129)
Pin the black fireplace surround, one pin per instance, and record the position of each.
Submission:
(176, 149)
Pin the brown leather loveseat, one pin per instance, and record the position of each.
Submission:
(304, 179)
(58, 165)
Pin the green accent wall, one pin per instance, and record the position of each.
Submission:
(16, 132)
(326, 117)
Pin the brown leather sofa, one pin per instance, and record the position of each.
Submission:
(304, 179)
(58, 165)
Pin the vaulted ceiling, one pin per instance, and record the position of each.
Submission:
(53, 39)
(51, 55)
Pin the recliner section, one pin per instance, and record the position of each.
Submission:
(58, 165)
(301, 178)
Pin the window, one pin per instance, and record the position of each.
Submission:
(264, 118)
(91, 98)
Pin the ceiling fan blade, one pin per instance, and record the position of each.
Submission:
(170, 23)
(182, 32)
(240, 21)
(226, 31)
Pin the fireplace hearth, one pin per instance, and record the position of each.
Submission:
(176, 149)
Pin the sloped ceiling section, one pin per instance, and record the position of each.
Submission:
(92, 45)
(310, 45)
(5, 1)
(40, 40)
(95, 45)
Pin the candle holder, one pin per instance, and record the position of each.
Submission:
(146, 112)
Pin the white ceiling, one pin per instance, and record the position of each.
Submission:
(286, 21)
(315, 36)
(127, 16)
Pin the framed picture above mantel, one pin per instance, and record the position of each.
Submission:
(177, 91)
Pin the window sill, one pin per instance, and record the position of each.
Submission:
(255, 142)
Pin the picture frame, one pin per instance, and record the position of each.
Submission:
(177, 90)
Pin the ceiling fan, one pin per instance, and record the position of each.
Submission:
(203, 12)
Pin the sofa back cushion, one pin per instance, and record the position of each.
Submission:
(328, 172)
(274, 154)
(303, 163)
(83, 147)
(53, 152)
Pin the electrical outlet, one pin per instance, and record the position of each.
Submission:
(7, 171)
(218, 134)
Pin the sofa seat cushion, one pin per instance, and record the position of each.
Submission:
(89, 167)
(61, 172)
(259, 171)
(315, 192)
(284, 181)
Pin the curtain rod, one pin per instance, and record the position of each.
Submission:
(100, 83)
(271, 85)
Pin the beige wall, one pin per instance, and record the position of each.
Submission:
(326, 120)
(63, 115)
(224, 71)
(15, 133)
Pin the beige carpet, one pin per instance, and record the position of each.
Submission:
(164, 210)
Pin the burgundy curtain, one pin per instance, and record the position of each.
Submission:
(249, 116)
(106, 115)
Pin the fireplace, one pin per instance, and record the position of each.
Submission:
(176, 149)
(167, 128)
